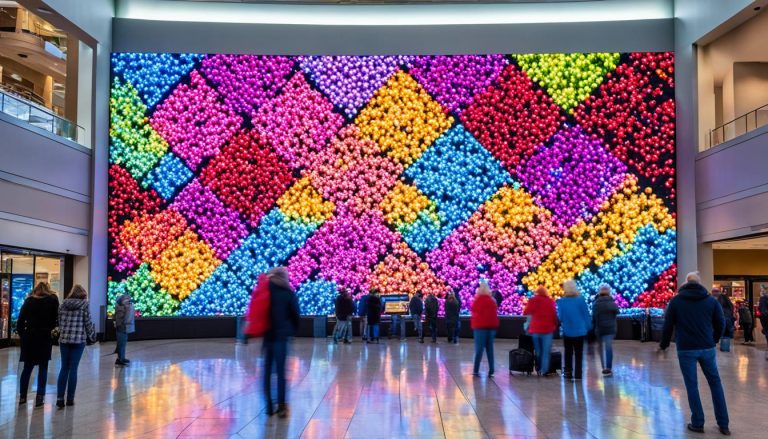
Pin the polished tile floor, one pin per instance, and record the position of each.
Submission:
(210, 388)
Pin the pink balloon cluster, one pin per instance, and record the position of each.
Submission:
(572, 176)
(194, 122)
(298, 123)
(247, 81)
(455, 80)
(218, 225)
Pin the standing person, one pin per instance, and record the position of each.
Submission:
(604, 312)
(430, 312)
(77, 329)
(498, 298)
(37, 318)
(763, 308)
(362, 311)
(575, 322)
(344, 309)
(451, 318)
(542, 312)
(457, 295)
(284, 321)
(730, 321)
(485, 321)
(698, 322)
(416, 309)
(124, 324)
(374, 306)
(747, 323)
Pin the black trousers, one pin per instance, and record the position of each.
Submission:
(574, 347)
(748, 336)
(432, 323)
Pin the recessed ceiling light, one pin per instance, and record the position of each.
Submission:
(23, 55)
(16, 76)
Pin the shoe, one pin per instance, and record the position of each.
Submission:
(282, 411)
(39, 401)
(22, 400)
(568, 376)
(607, 372)
(60, 403)
(724, 431)
(490, 374)
(126, 361)
(347, 342)
(695, 429)
(421, 340)
(475, 374)
(70, 403)
(120, 363)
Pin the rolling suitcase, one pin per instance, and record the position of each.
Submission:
(520, 360)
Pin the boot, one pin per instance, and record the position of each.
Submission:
(282, 410)
(60, 403)
(22, 399)
(39, 400)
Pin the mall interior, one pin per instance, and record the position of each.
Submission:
(175, 150)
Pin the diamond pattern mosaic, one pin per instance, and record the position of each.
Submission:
(400, 173)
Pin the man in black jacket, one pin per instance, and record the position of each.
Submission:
(344, 309)
(416, 309)
(763, 308)
(698, 322)
(430, 312)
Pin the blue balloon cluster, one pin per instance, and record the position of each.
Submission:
(316, 297)
(169, 175)
(153, 74)
(459, 175)
(228, 290)
(423, 234)
(629, 273)
(639, 312)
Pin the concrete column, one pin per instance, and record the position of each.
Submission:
(706, 264)
(48, 91)
(70, 83)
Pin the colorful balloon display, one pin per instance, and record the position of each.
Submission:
(400, 173)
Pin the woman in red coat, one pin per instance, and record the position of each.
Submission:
(484, 321)
(542, 313)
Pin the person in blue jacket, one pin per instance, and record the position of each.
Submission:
(698, 322)
(575, 323)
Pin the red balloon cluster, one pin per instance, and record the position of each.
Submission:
(512, 118)
(144, 238)
(247, 176)
(659, 295)
(127, 201)
(633, 112)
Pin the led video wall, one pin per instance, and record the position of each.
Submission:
(400, 173)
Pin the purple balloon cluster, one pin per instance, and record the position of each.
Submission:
(247, 81)
(455, 80)
(194, 122)
(218, 225)
(298, 123)
(350, 81)
(343, 250)
(573, 176)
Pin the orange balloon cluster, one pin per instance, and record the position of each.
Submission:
(303, 202)
(610, 232)
(184, 265)
(402, 271)
(403, 119)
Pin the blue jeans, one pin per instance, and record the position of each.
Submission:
(373, 330)
(26, 374)
(70, 359)
(275, 354)
(397, 320)
(418, 325)
(606, 351)
(707, 359)
(542, 346)
(122, 340)
(342, 330)
(484, 342)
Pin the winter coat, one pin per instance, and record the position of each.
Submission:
(574, 317)
(125, 315)
(451, 312)
(695, 317)
(484, 313)
(374, 306)
(416, 306)
(36, 319)
(745, 316)
(727, 306)
(75, 323)
(763, 308)
(604, 312)
(430, 307)
(543, 312)
(283, 312)
(344, 307)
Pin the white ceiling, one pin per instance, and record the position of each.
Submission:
(756, 243)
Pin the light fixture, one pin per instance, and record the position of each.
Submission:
(23, 55)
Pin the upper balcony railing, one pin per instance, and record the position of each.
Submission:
(40, 117)
(741, 125)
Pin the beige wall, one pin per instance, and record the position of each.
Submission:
(750, 86)
(746, 262)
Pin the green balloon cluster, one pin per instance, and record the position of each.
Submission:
(134, 144)
(148, 298)
(569, 78)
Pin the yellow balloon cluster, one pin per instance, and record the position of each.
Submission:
(302, 202)
(510, 208)
(184, 265)
(403, 204)
(620, 218)
(403, 119)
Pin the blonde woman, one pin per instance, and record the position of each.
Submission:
(575, 322)
(76, 329)
(36, 320)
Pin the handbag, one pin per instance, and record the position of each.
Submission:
(55, 333)
(90, 335)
